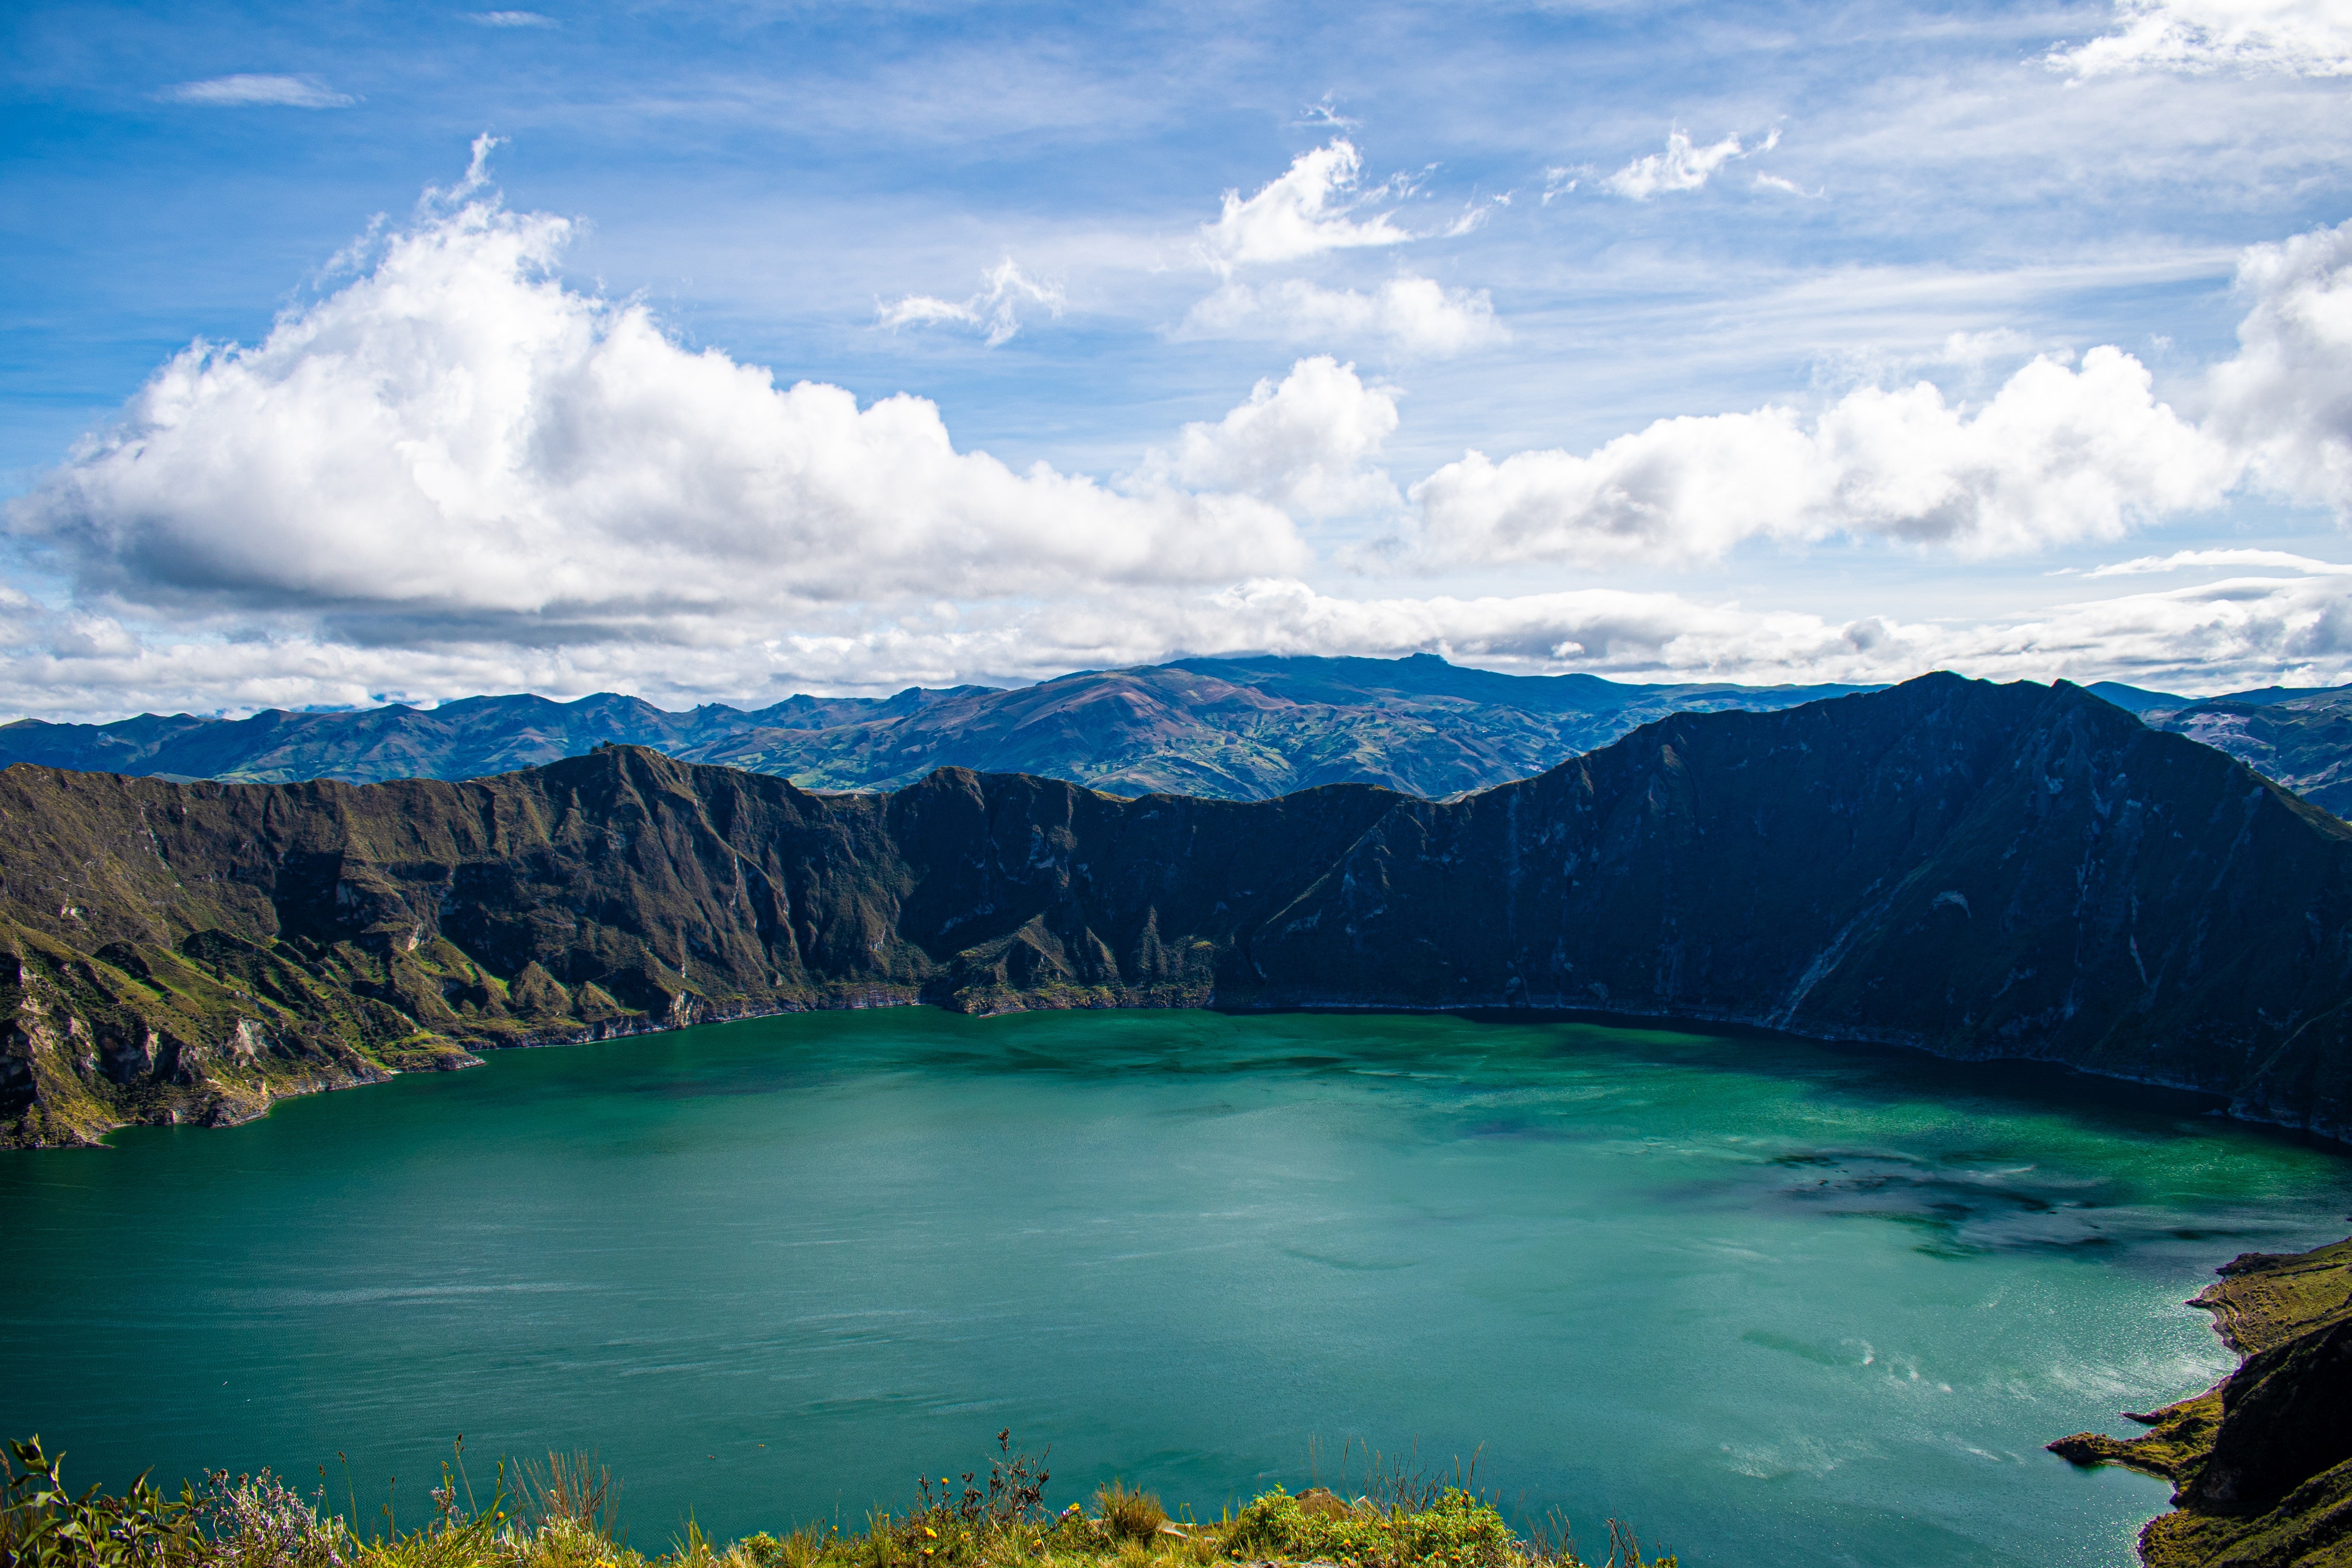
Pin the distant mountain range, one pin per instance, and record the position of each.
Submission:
(1238, 729)
(1228, 729)
(1978, 870)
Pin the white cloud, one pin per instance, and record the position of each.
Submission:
(2219, 637)
(2057, 454)
(1415, 315)
(2301, 38)
(1788, 187)
(2190, 559)
(510, 19)
(454, 446)
(995, 309)
(2285, 398)
(1306, 446)
(1682, 166)
(1305, 212)
(281, 91)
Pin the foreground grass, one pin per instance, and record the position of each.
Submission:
(563, 1514)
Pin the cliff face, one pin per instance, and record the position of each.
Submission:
(1978, 870)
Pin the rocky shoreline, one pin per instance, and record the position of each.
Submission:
(2261, 1462)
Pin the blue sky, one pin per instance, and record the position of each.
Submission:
(1793, 343)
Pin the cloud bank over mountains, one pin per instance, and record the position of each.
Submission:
(457, 472)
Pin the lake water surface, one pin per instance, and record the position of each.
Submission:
(1771, 1303)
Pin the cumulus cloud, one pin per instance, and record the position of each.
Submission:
(2301, 38)
(1306, 446)
(1682, 166)
(1305, 212)
(1415, 315)
(238, 91)
(456, 474)
(2058, 454)
(2285, 398)
(995, 309)
(455, 445)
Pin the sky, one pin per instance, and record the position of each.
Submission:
(354, 352)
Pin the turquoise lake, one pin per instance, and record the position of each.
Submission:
(1770, 1303)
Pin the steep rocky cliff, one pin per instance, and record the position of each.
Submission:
(1978, 870)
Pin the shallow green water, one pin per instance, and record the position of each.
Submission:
(1772, 1303)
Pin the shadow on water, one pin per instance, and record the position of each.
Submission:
(1769, 1294)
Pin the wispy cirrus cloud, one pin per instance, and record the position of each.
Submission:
(244, 90)
(2195, 559)
(1683, 166)
(1415, 316)
(2297, 38)
(995, 309)
(511, 19)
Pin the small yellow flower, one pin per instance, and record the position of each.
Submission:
(929, 1531)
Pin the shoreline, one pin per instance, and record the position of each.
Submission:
(2262, 1461)
(215, 1103)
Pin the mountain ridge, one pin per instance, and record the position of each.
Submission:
(1233, 727)
(1983, 871)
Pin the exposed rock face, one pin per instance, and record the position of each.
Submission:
(1977, 870)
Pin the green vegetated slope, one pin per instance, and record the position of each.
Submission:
(2301, 738)
(1975, 869)
(1232, 729)
(2261, 1462)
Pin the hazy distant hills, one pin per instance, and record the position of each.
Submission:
(470, 738)
(1980, 871)
(1228, 729)
(1245, 729)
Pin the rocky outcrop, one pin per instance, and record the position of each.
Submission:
(1978, 870)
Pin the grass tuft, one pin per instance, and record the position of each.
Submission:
(1128, 1515)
